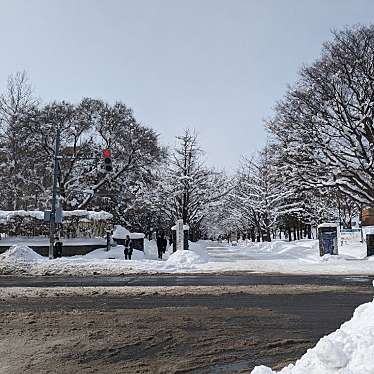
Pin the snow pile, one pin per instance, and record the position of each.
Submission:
(184, 260)
(150, 249)
(20, 253)
(348, 350)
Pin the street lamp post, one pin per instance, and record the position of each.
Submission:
(52, 223)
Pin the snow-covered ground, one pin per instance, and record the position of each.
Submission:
(301, 257)
(348, 350)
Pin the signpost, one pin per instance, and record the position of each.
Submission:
(180, 235)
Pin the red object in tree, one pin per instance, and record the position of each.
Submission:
(106, 153)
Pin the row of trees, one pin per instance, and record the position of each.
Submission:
(149, 188)
(319, 162)
(317, 165)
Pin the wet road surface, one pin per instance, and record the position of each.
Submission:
(155, 333)
(184, 280)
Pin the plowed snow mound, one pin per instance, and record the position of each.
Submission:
(20, 252)
(348, 350)
(184, 260)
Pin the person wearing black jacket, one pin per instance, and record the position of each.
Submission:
(161, 245)
(128, 247)
(58, 248)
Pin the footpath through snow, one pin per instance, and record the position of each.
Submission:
(301, 257)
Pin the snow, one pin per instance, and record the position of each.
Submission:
(39, 215)
(278, 256)
(116, 252)
(348, 350)
(9, 215)
(20, 252)
(137, 235)
(327, 224)
(43, 241)
(120, 232)
(185, 260)
(185, 227)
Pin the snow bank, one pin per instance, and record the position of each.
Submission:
(185, 260)
(150, 249)
(20, 252)
(348, 350)
(300, 257)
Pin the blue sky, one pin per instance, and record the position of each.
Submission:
(213, 65)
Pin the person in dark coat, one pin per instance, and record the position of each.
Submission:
(128, 247)
(161, 245)
(58, 248)
(164, 245)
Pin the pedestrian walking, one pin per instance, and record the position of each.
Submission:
(128, 247)
(161, 245)
(164, 244)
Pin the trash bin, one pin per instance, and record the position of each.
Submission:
(370, 244)
(328, 239)
(137, 240)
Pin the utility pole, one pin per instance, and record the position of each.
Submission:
(52, 223)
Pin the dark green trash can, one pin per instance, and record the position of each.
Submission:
(370, 244)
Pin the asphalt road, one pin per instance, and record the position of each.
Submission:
(172, 333)
(238, 279)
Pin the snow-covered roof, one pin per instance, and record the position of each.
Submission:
(90, 215)
(120, 232)
(185, 227)
(6, 215)
(137, 235)
(327, 224)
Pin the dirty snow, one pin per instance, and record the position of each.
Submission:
(348, 350)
